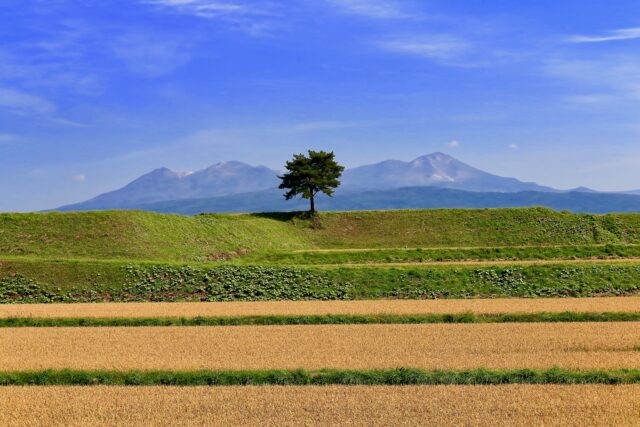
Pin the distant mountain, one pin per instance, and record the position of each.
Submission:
(228, 178)
(164, 184)
(404, 198)
(582, 190)
(436, 170)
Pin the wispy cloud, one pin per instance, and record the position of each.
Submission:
(378, 9)
(52, 58)
(618, 75)
(589, 100)
(6, 138)
(616, 35)
(321, 126)
(208, 8)
(253, 19)
(151, 55)
(440, 48)
(22, 102)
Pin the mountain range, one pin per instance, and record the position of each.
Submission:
(434, 180)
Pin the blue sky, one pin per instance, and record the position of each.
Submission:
(94, 93)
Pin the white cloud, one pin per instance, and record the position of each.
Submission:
(16, 100)
(623, 34)
(379, 9)
(440, 48)
(79, 178)
(453, 143)
(513, 146)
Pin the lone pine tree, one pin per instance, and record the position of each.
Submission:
(309, 175)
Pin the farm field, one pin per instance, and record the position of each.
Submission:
(513, 405)
(371, 307)
(586, 346)
(513, 314)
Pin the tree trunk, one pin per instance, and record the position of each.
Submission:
(313, 204)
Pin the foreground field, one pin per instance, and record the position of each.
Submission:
(271, 308)
(438, 346)
(365, 299)
(520, 405)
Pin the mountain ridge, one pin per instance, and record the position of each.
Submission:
(404, 198)
(235, 177)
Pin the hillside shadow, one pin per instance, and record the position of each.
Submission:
(283, 216)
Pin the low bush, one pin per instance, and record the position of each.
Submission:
(145, 282)
(400, 376)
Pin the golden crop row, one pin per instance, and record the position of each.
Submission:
(124, 310)
(520, 405)
(434, 346)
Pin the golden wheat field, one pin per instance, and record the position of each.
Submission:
(437, 346)
(186, 309)
(519, 405)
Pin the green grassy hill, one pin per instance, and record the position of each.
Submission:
(148, 236)
(140, 256)
(140, 235)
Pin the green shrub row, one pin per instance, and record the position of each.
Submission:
(145, 282)
(402, 376)
(326, 319)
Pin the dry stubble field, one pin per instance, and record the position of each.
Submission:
(433, 346)
(514, 405)
(267, 308)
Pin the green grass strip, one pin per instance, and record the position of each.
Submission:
(401, 376)
(329, 319)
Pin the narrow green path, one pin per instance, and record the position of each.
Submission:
(401, 376)
(328, 319)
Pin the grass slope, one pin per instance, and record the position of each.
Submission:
(147, 236)
(141, 235)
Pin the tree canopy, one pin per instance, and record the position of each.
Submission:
(308, 175)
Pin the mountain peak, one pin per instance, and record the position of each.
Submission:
(435, 169)
(160, 170)
(227, 163)
(435, 160)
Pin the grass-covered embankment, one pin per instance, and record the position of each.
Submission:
(430, 255)
(36, 281)
(137, 235)
(134, 235)
(401, 376)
